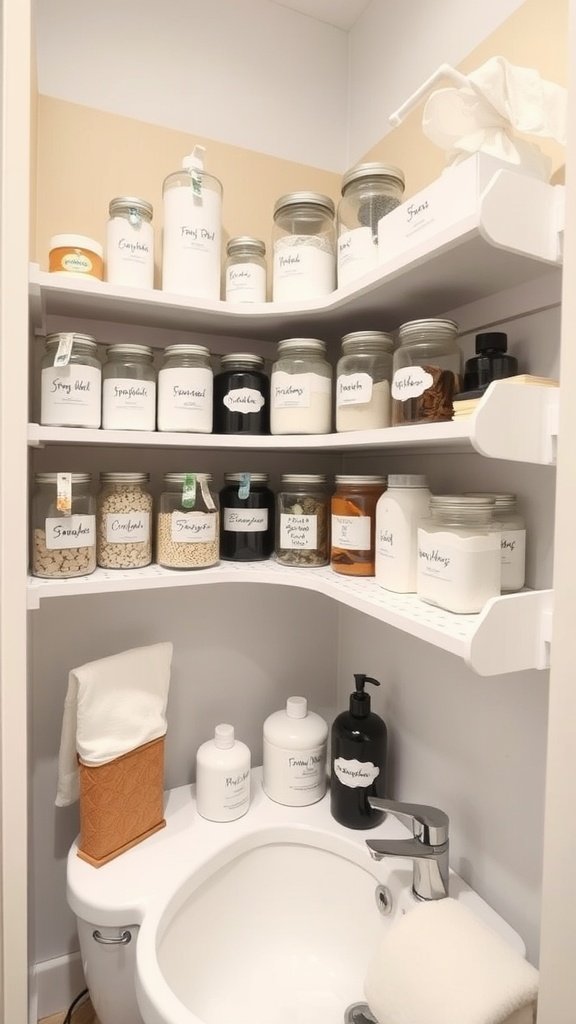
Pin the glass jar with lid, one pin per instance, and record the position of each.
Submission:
(301, 388)
(245, 270)
(302, 520)
(241, 395)
(192, 232)
(129, 388)
(63, 526)
(247, 517)
(364, 376)
(130, 242)
(369, 192)
(304, 241)
(512, 539)
(71, 382)
(353, 522)
(188, 535)
(185, 388)
(124, 521)
(459, 563)
(427, 366)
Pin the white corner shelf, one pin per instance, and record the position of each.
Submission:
(532, 409)
(510, 635)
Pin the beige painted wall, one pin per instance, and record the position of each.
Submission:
(536, 35)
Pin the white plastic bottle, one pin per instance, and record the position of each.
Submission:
(223, 776)
(295, 755)
(398, 513)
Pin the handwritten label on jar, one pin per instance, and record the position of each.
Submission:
(354, 389)
(357, 254)
(185, 399)
(71, 532)
(355, 774)
(302, 271)
(411, 382)
(244, 400)
(458, 573)
(245, 282)
(250, 520)
(193, 527)
(351, 533)
(128, 528)
(128, 404)
(290, 390)
(298, 532)
(513, 555)
(70, 396)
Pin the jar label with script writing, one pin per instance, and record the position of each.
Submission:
(302, 272)
(298, 532)
(250, 520)
(513, 551)
(351, 533)
(411, 382)
(355, 774)
(245, 282)
(128, 404)
(244, 400)
(70, 396)
(357, 254)
(130, 253)
(354, 389)
(70, 532)
(192, 235)
(301, 773)
(295, 390)
(193, 527)
(127, 528)
(458, 573)
(185, 399)
(236, 790)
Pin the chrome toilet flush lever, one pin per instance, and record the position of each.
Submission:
(428, 849)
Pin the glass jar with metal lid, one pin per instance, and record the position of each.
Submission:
(188, 535)
(245, 270)
(364, 376)
(192, 232)
(185, 387)
(63, 526)
(302, 520)
(301, 388)
(130, 242)
(71, 382)
(459, 553)
(304, 241)
(124, 521)
(247, 517)
(241, 395)
(353, 524)
(512, 539)
(369, 192)
(427, 366)
(129, 389)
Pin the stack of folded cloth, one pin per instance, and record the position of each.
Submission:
(112, 749)
(468, 401)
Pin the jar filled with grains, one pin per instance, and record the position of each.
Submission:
(188, 522)
(129, 389)
(71, 382)
(63, 526)
(302, 516)
(124, 521)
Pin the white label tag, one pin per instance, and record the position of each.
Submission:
(71, 532)
(298, 532)
(357, 254)
(355, 774)
(354, 389)
(458, 573)
(185, 399)
(250, 520)
(290, 390)
(302, 272)
(129, 404)
(244, 400)
(70, 396)
(245, 282)
(64, 350)
(411, 382)
(127, 528)
(351, 533)
(193, 527)
(513, 554)
(236, 790)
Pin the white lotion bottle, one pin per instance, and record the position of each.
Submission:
(223, 776)
(295, 755)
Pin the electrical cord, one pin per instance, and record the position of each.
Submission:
(73, 1005)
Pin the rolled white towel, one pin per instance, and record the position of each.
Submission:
(439, 964)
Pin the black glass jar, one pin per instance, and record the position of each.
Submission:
(241, 395)
(247, 517)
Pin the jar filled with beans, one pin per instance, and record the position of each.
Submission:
(63, 526)
(124, 521)
(188, 522)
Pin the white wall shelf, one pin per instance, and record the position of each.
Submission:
(510, 635)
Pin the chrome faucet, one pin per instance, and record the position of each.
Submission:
(428, 848)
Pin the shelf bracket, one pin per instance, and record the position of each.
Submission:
(517, 422)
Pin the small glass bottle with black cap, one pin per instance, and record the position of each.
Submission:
(491, 361)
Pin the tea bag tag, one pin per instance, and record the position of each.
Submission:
(134, 218)
(244, 488)
(64, 350)
(194, 164)
(189, 490)
(64, 493)
(205, 490)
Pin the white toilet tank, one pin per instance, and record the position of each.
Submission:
(109, 961)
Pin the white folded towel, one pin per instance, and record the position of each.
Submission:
(112, 706)
(439, 964)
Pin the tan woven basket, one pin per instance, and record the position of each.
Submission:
(121, 803)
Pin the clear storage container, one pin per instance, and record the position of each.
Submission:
(245, 270)
(354, 524)
(512, 540)
(304, 241)
(130, 243)
(185, 389)
(364, 376)
(70, 382)
(369, 192)
(63, 526)
(129, 389)
(192, 232)
(247, 517)
(188, 522)
(301, 388)
(427, 367)
(303, 520)
(124, 521)
(241, 395)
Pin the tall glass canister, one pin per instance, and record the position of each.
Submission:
(63, 526)
(192, 232)
(129, 388)
(304, 241)
(71, 382)
(369, 192)
(188, 522)
(130, 243)
(185, 387)
(301, 388)
(364, 376)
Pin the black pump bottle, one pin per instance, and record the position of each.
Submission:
(358, 760)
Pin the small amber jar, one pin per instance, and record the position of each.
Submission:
(353, 524)
(77, 255)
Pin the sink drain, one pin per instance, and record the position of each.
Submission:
(359, 1013)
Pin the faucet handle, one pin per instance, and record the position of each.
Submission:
(428, 824)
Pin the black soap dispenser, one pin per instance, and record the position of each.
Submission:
(358, 760)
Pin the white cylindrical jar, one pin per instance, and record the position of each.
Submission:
(245, 270)
(129, 389)
(512, 540)
(223, 776)
(185, 388)
(459, 562)
(301, 388)
(71, 382)
(130, 243)
(364, 375)
(304, 247)
(192, 232)
(398, 513)
(295, 755)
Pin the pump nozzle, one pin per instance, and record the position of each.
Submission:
(360, 700)
(361, 680)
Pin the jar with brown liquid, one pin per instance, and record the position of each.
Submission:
(353, 524)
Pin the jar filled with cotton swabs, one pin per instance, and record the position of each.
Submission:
(369, 192)
(304, 244)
